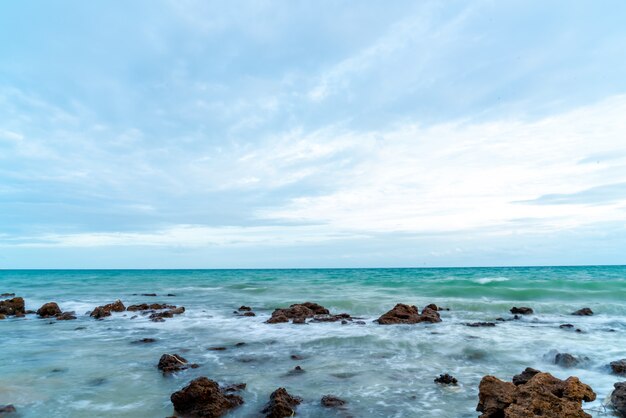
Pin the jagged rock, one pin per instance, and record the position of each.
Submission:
(105, 310)
(7, 409)
(159, 316)
(66, 316)
(298, 310)
(619, 366)
(565, 360)
(204, 398)
(405, 314)
(522, 310)
(281, 404)
(330, 401)
(583, 312)
(446, 379)
(146, 307)
(543, 395)
(49, 310)
(169, 363)
(480, 324)
(618, 398)
(525, 376)
(14, 306)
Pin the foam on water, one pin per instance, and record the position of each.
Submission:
(88, 368)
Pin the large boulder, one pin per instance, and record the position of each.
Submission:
(281, 404)
(204, 398)
(298, 312)
(14, 306)
(543, 395)
(105, 310)
(618, 398)
(49, 310)
(408, 314)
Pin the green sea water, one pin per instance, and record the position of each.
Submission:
(89, 368)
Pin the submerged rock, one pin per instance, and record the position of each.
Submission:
(170, 363)
(619, 366)
(281, 404)
(618, 398)
(480, 324)
(583, 312)
(105, 310)
(7, 295)
(204, 398)
(446, 379)
(160, 316)
(522, 310)
(66, 316)
(543, 395)
(300, 311)
(296, 371)
(244, 308)
(144, 341)
(566, 360)
(406, 314)
(49, 310)
(146, 307)
(330, 401)
(14, 306)
(7, 409)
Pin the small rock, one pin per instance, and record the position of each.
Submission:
(446, 379)
(296, 357)
(619, 366)
(149, 294)
(237, 387)
(240, 344)
(618, 398)
(566, 326)
(159, 316)
(525, 376)
(105, 310)
(297, 310)
(330, 401)
(7, 409)
(66, 316)
(144, 341)
(566, 360)
(48, 310)
(522, 310)
(216, 348)
(7, 295)
(480, 324)
(244, 308)
(169, 363)
(296, 370)
(281, 404)
(583, 312)
(248, 314)
(204, 398)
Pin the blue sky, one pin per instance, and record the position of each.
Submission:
(172, 134)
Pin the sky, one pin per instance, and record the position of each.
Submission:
(281, 134)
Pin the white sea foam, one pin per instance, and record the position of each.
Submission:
(485, 280)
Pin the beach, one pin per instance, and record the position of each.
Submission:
(88, 367)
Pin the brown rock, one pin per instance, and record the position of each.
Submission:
(3, 316)
(405, 314)
(583, 312)
(619, 366)
(105, 310)
(13, 306)
(298, 310)
(565, 360)
(159, 316)
(244, 308)
(281, 404)
(146, 307)
(330, 401)
(480, 324)
(522, 310)
(169, 363)
(66, 316)
(446, 379)
(49, 310)
(204, 398)
(543, 395)
(618, 398)
(144, 341)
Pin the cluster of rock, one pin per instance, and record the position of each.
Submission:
(103, 311)
(12, 307)
(158, 312)
(52, 310)
(406, 314)
(533, 394)
(298, 313)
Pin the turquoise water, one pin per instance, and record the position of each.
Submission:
(87, 368)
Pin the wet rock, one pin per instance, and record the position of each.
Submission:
(480, 324)
(204, 398)
(330, 401)
(7, 295)
(248, 314)
(332, 318)
(49, 310)
(170, 363)
(525, 376)
(244, 308)
(565, 360)
(299, 310)
(66, 316)
(298, 321)
(522, 310)
(619, 366)
(296, 371)
(170, 295)
(240, 344)
(618, 398)
(281, 404)
(543, 395)
(436, 308)
(3, 316)
(296, 357)
(583, 312)
(566, 326)
(144, 341)
(149, 294)
(159, 316)
(147, 307)
(237, 387)
(405, 314)
(105, 310)
(14, 306)
(446, 379)
(7, 409)
(216, 348)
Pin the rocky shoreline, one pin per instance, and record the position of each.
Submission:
(532, 393)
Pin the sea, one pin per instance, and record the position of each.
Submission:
(94, 368)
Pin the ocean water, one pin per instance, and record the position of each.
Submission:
(90, 368)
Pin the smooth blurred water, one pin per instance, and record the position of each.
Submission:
(88, 368)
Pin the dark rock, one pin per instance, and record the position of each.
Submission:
(500, 319)
(244, 308)
(66, 316)
(237, 387)
(299, 321)
(7, 295)
(298, 310)
(446, 379)
(79, 328)
(296, 370)
(480, 324)
(296, 357)
(360, 322)
(240, 344)
(159, 316)
(149, 294)
(525, 376)
(619, 366)
(3, 316)
(332, 318)
(216, 348)
(105, 310)
(248, 314)
(405, 314)
(522, 310)
(543, 395)
(583, 312)
(173, 362)
(437, 308)
(144, 341)
(565, 360)
(618, 398)
(281, 404)
(204, 398)
(13, 306)
(330, 401)
(7, 409)
(170, 295)
(566, 326)
(146, 307)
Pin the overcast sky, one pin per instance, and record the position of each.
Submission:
(172, 134)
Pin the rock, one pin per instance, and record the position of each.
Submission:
(204, 398)
(566, 326)
(281, 404)
(332, 318)
(3, 316)
(105, 310)
(618, 398)
(66, 316)
(149, 294)
(619, 366)
(7, 409)
(13, 306)
(244, 308)
(240, 344)
(543, 395)
(330, 401)
(159, 316)
(146, 307)
(295, 371)
(583, 312)
(405, 314)
(522, 310)
(299, 321)
(7, 295)
(565, 360)
(170, 363)
(525, 376)
(296, 357)
(480, 324)
(49, 310)
(299, 310)
(248, 314)
(144, 341)
(437, 308)
(237, 387)
(446, 379)
(216, 348)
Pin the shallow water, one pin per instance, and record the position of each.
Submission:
(87, 368)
